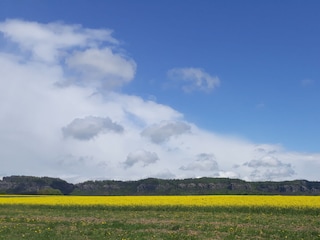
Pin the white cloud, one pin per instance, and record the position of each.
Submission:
(194, 79)
(46, 41)
(132, 138)
(92, 56)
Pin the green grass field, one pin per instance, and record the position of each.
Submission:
(101, 222)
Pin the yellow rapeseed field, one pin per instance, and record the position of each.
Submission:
(200, 201)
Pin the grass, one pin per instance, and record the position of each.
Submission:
(57, 222)
(26, 221)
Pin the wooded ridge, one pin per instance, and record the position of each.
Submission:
(154, 186)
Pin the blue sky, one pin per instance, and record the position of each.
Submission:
(227, 73)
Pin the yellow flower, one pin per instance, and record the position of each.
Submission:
(188, 201)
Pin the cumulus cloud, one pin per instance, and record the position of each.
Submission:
(45, 95)
(93, 57)
(89, 127)
(194, 79)
(159, 133)
(203, 162)
(142, 156)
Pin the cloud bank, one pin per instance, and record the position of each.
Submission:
(62, 115)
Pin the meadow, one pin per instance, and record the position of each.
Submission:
(159, 217)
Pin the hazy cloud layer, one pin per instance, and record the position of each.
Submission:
(307, 82)
(194, 79)
(203, 162)
(159, 133)
(62, 116)
(89, 127)
(269, 168)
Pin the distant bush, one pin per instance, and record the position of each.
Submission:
(50, 191)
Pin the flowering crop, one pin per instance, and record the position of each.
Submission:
(198, 201)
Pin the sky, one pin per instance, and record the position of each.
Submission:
(172, 89)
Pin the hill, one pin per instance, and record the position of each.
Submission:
(153, 186)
